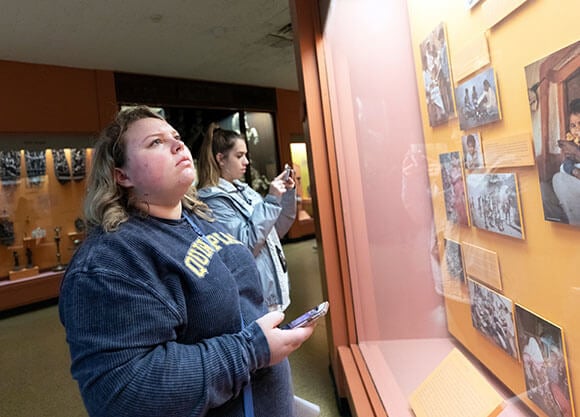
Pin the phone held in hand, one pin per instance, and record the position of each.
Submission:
(287, 171)
(310, 316)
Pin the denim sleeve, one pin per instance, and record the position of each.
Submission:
(252, 231)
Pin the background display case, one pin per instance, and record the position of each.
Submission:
(434, 254)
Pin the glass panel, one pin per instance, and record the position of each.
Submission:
(262, 149)
(448, 248)
(300, 166)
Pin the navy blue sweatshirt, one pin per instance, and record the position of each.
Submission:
(152, 314)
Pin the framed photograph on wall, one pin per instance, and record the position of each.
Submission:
(453, 188)
(543, 356)
(472, 151)
(492, 314)
(494, 203)
(478, 100)
(453, 260)
(554, 98)
(437, 76)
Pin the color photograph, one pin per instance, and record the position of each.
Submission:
(472, 151)
(494, 203)
(453, 188)
(545, 365)
(437, 76)
(554, 97)
(478, 100)
(492, 315)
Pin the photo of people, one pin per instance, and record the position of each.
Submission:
(554, 95)
(453, 260)
(472, 153)
(478, 101)
(494, 203)
(453, 188)
(543, 357)
(492, 315)
(437, 77)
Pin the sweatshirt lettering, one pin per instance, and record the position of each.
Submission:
(201, 251)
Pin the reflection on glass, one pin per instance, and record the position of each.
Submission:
(302, 177)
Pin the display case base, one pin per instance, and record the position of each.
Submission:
(23, 273)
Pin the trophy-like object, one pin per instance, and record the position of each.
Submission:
(59, 266)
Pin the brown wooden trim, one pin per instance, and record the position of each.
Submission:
(166, 91)
(326, 192)
(357, 394)
(21, 292)
(367, 381)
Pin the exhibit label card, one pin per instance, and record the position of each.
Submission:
(469, 56)
(482, 264)
(513, 151)
(456, 389)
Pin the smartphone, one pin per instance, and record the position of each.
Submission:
(287, 171)
(308, 317)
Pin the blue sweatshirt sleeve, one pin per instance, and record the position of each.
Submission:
(126, 358)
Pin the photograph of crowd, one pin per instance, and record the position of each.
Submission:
(494, 203)
(453, 188)
(492, 315)
(554, 97)
(478, 101)
(544, 360)
(453, 260)
(437, 76)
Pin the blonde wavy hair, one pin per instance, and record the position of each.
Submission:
(107, 204)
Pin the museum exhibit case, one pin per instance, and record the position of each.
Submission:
(445, 144)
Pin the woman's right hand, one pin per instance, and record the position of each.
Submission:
(282, 342)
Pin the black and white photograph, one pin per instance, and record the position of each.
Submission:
(494, 203)
(554, 97)
(492, 315)
(453, 260)
(437, 76)
(472, 151)
(478, 100)
(453, 188)
(543, 357)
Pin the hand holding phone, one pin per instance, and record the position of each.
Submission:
(309, 317)
(287, 172)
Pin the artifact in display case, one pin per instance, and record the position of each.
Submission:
(61, 168)
(35, 166)
(9, 167)
(59, 266)
(437, 77)
(554, 93)
(478, 101)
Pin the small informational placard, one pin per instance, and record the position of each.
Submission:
(482, 264)
(513, 151)
(469, 56)
(456, 389)
(494, 11)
